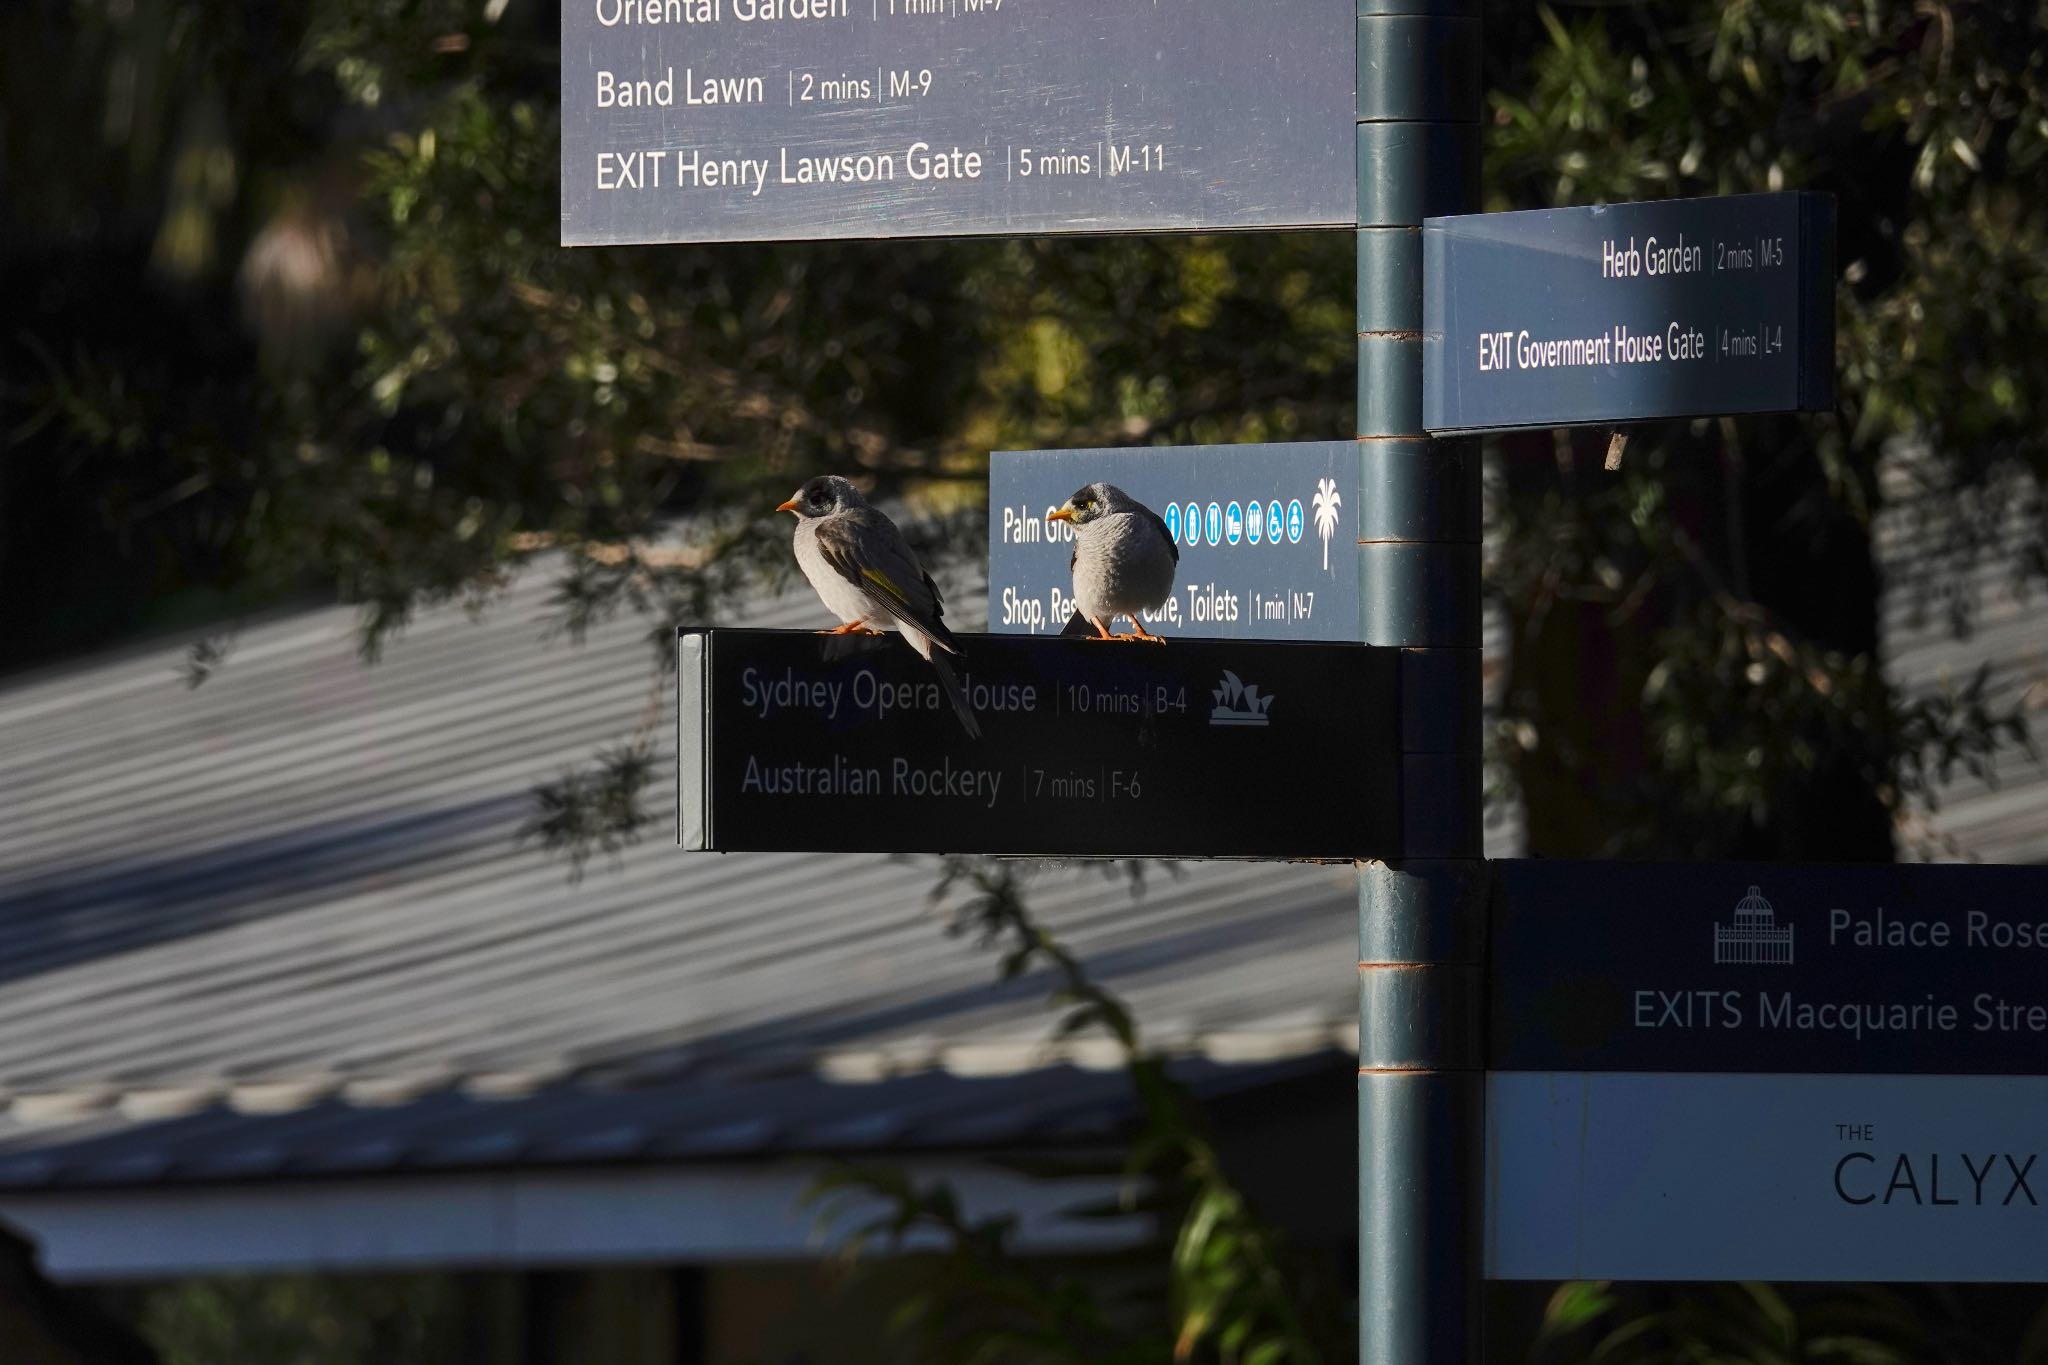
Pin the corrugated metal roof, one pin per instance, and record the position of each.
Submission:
(683, 1118)
(280, 923)
(1932, 586)
(284, 915)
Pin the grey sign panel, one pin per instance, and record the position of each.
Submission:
(791, 741)
(1735, 967)
(1629, 312)
(755, 120)
(1268, 536)
(1766, 1177)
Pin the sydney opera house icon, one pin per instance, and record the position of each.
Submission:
(1756, 938)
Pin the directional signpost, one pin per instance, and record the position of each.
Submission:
(1202, 749)
(1315, 540)
(1814, 1072)
(1819, 1073)
(751, 120)
(1268, 536)
(1629, 312)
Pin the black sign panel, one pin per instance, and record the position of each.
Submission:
(1268, 536)
(1629, 312)
(1739, 967)
(754, 120)
(791, 741)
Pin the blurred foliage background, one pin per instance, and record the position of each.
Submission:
(284, 321)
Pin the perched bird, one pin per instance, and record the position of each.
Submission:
(1124, 558)
(869, 578)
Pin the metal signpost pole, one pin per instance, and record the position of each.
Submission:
(1421, 924)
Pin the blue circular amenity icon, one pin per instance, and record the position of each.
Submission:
(1233, 523)
(1172, 520)
(1254, 520)
(1294, 522)
(1212, 525)
(1276, 526)
(1194, 520)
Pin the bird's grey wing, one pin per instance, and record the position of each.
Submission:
(1159, 525)
(865, 548)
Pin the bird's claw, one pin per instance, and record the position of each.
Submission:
(1129, 637)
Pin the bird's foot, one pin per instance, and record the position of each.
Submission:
(1143, 634)
(852, 628)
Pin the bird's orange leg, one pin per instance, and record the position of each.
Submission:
(853, 628)
(1102, 632)
(1142, 633)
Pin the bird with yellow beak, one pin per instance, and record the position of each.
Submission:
(867, 575)
(1123, 562)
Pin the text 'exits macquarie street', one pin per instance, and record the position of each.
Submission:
(748, 120)
(1751, 967)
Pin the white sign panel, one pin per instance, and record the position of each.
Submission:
(1670, 1176)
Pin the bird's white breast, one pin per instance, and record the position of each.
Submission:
(1121, 566)
(840, 597)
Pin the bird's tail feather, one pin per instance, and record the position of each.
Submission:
(956, 695)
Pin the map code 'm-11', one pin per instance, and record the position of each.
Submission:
(758, 120)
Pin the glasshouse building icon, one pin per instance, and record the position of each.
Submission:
(1756, 938)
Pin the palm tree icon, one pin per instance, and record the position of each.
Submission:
(1326, 503)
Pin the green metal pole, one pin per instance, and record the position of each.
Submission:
(1421, 922)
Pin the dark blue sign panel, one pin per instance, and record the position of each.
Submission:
(1268, 536)
(1732, 967)
(1629, 312)
(792, 741)
(753, 120)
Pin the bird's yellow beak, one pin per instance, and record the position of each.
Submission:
(1064, 512)
(789, 506)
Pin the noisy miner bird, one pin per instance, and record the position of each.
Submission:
(1124, 558)
(869, 578)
